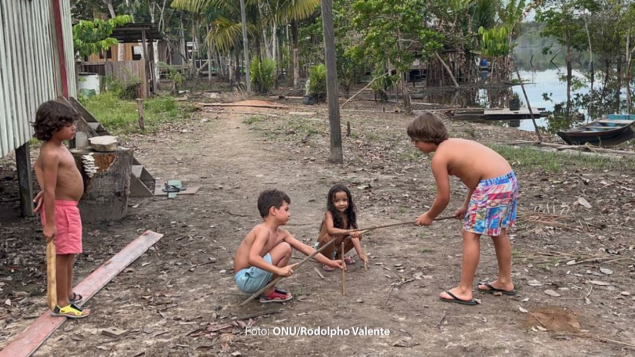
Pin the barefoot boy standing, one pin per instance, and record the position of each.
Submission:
(490, 206)
(265, 252)
(62, 187)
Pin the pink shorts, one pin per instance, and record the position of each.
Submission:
(68, 222)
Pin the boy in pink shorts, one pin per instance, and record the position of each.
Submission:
(62, 187)
(490, 206)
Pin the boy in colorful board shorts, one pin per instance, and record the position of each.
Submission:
(265, 252)
(490, 206)
(62, 187)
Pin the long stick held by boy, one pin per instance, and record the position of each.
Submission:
(489, 208)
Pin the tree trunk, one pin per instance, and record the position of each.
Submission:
(618, 75)
(568, 79)
(155, 48)
(588, 35)
(238, 69)
(243, 15)
(296, 62)
(331, 83)
(628, 72)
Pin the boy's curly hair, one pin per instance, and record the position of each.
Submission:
(51, 117)
(271, 198)
(428, 128)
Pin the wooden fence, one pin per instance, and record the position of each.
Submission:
(123, 71)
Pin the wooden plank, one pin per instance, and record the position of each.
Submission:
(25, 180)
(33, 337)
(615, 121)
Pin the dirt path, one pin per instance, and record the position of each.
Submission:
(175, 299)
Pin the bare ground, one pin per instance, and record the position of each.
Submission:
(177, 299)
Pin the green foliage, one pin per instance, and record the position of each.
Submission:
(317, 83)
(129, 88)
(90, 37)
(382, 83)
(391, 29)
(495, 42)
(120, 116)
(262, 74)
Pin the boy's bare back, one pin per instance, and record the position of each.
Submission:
(241, 259)
(469, 161)
(70, 185)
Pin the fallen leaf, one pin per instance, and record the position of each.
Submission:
(606, 271)
(522, 309)
(598, 282)
(584, 202)
(552, 293)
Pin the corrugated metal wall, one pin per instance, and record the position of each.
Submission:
(28, 70)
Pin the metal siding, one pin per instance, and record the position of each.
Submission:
(67, 26)
(28, 71)
(4, 133)
(10, 92)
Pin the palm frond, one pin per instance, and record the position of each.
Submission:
(298, 9)
(226, 33)
(198, 6)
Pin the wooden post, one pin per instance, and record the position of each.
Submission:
(343, 270)
(144, 50)
(348, 129)
(531, 113)
(23, 161)
(331, 83)
(142, 125)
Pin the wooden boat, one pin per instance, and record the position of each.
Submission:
(610, 130)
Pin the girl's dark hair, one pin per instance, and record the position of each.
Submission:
(51, 117)
(350, 211)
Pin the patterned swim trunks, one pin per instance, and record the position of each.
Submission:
(492, 206)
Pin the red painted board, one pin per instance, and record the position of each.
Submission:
(34, 336)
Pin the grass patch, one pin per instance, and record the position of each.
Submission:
(528, 157)
(120, 116)
(254, 119)
(426, 251)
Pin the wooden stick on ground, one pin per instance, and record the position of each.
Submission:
(276, 280)
(343, 270)
(366, 261)
(51, 282)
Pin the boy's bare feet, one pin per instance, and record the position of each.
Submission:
(496, 286)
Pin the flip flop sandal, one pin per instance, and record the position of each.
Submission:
(349, 260)
(490, 290)
(70, 312)
(327, 268)
(275, 296)
(456, 300)
(76, 298)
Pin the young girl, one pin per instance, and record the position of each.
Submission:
(340, 221)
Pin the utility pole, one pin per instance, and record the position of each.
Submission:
(331, 83)
(243, 14)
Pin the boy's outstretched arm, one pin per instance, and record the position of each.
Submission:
(442, 178)
(306, 250)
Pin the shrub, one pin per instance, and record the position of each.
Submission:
(262, 75)
(317, 83)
